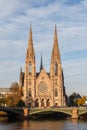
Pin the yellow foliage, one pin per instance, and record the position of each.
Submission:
(81, 101)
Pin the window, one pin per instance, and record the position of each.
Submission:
(30, 67)
(55, 68)
(29, 92)
(56, 93)
(42, 87)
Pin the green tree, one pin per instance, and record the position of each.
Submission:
(21, 103)
(73, 99)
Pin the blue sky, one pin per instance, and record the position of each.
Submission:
(70, 17)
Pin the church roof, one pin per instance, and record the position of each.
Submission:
(37, 74)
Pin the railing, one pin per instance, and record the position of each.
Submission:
(66, 110)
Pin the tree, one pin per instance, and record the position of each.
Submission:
(2, 101)
(81, 101)
(13, 98)
(21, 103)
(14, 87)
(73, 99)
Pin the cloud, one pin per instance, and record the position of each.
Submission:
(71, 20)
(75, 75)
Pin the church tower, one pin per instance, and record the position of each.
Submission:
(56, 73)
(42, 89)
(30, 73)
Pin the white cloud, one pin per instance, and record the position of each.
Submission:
(71, 20)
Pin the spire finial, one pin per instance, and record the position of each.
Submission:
(21, 69)
(41, 64)
(55, 28)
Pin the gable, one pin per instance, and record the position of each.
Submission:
(43, 83)
(43, 76)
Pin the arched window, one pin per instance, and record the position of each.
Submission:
(56, 92)
(55, 68)
(42, 103)
(48, 103)
(29, 92)
(30, 67)
(36, 103)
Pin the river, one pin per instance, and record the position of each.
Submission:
(67, 124)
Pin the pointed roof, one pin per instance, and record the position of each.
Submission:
(55, 50)
(30, 50)
(55, 37)
(41, 64)
(30, 40)
(21, 73)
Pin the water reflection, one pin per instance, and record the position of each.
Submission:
(25, 124)
(3, 119)
(43, 125)
(68, 124)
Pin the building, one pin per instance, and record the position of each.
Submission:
(42, 89)
(5, 92)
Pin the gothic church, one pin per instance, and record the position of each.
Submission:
(42, 89)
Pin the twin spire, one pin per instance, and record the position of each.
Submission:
(41, 64)
(55, 50)
(30, 50)
(30, 42)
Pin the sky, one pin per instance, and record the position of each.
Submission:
(70, 17)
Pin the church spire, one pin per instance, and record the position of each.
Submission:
(21, 74)
(55, 50)
(30, 42)
(30, 50)
(41, 64)
(55, 37)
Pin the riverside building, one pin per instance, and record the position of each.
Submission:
(42, 89)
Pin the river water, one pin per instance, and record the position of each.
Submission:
(67, 124)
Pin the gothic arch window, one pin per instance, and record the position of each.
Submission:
(48, 103)
(56, 92)
(36, 103)
(29, 92)
(30, 67)
(42, 103)
(55, 68)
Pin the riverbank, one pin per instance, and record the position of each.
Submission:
(3, 114)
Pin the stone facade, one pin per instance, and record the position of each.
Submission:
(42, 89)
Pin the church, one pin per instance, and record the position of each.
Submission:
(42, 89)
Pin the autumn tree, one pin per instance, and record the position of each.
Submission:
(73, 99)
(13, 98)
(81, 101)
(2, 101)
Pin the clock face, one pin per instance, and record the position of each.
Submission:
(42, 87)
